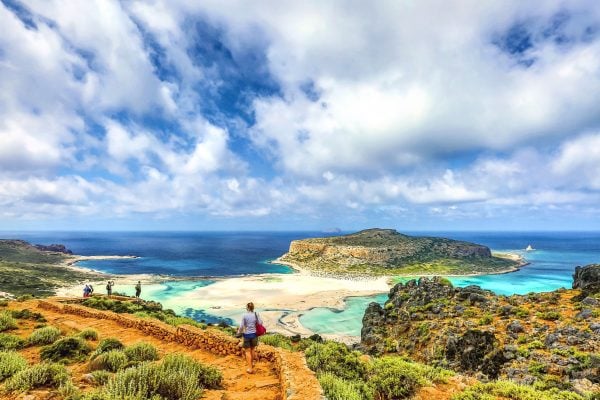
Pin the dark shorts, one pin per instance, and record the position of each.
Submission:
(250, 340)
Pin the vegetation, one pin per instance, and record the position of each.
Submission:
(141, 352)
(10, 364)
(27, 314)
(10, 342)
(7, 321)
(177, 377)
(44, 336)
(513, 391)
(113, 361)
(108, 344)
(44, 374)
(101, 377)
(88, 334)
(346, 374)
(25, 270)
(66, 349)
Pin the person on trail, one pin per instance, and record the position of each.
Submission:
(109, 286)
(138, 290)
(86, 291)
(248, 329)
(91, 289)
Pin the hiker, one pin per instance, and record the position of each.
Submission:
(86, 291)
(109, 286)
(248, 329)
(91, 289)
(138, 289)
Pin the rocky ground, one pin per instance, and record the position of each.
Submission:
(541, 339)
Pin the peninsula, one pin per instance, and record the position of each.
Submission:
(376, 252)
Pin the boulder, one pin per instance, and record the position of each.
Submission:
(587, 279)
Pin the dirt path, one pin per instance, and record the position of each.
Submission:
(238, 385)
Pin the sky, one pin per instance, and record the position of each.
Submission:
(299, 115)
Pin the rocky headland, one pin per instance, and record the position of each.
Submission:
(387, 252)
(548, 340)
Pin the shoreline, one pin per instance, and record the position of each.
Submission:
(284, 298)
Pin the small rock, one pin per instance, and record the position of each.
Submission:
(590, 301)
(595, 327)
(515, 327)
(586, 313)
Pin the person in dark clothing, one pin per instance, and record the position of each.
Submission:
(109, 286)
(138, 290)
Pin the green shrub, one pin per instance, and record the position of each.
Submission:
(24, 297)
(7, 321)
(548, 315)
(178, 377)
(26, 314)
(393, 377)
(513, 391)
(68, 391)
(141, 352)
(44, 374)
(10, 342)
(44, 336)
(3, 303)
(335, 358)
(108, 344)
(536, 344)
(486, 319)
(11, 363)
(88, 334)
(66, 349)
(340, 389)
(277, 340)
(101, 377)
(521, 312)
(113, 361)
(208, 376)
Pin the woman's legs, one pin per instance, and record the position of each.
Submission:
(249, 355)
(254, 358)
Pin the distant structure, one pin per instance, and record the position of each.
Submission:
(529, 248)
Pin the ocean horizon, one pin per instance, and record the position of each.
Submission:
(202, 255)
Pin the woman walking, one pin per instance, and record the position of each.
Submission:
(248, 329)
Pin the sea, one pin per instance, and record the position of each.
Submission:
(195, 259)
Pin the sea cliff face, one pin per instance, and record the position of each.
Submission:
(540, 339)
(385, 251)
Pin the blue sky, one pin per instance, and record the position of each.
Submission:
(308, 115)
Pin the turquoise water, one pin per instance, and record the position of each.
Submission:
(202, 255)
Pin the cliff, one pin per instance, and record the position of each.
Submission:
(387, 252)
(542, 339)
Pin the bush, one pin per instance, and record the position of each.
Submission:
(101, 377)
(141, 352)
(108, 344)
(340, 389)
(3, 303)
(549, 315)
(513, 391)
(7, 321)
(277, 340)
(10, 342)
(44, 374)
(393, 377)
(88, 334)
(208, 376)
(26, 314)
(43, 336)
(335, 358)
(24, 297)
(10, 364)
(66, 349)
(178, 377)
(113, 361)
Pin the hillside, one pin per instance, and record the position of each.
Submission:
(387, 252)
(542, 339)
(27, 270)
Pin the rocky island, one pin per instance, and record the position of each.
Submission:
(387, 252)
